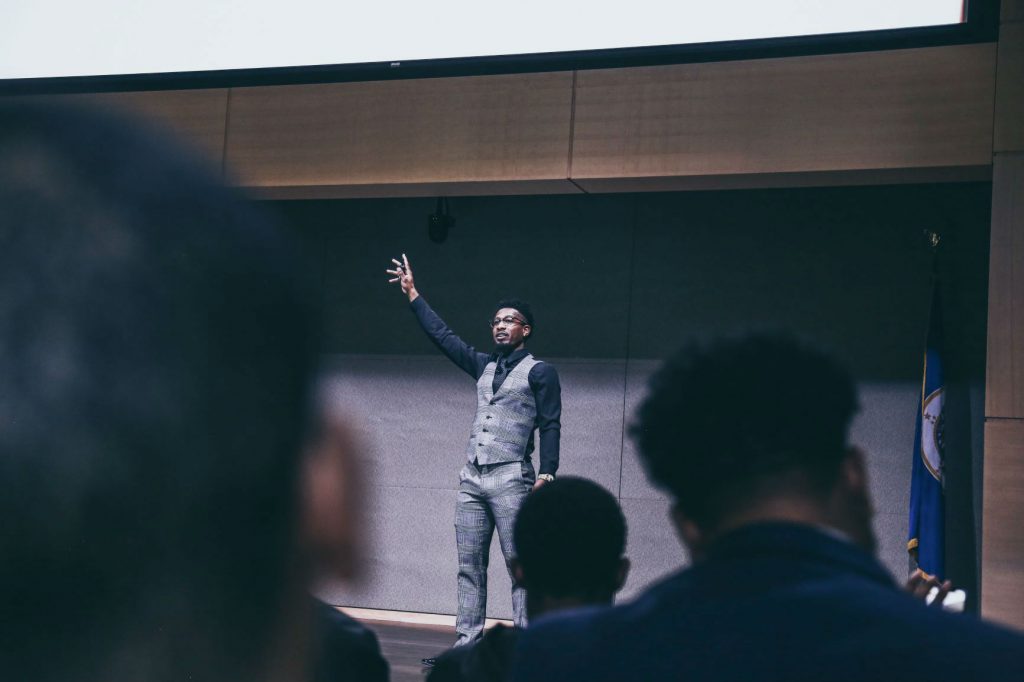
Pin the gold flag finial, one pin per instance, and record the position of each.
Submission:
(933, 238)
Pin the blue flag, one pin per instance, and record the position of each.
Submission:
(927, 538)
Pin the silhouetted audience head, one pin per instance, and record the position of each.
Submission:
(570, 536)
(753, 428)
(155, 347)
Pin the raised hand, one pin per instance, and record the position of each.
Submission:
(403, 275)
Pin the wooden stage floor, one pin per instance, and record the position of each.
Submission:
(403, 645)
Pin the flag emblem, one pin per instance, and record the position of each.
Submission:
(932, 422)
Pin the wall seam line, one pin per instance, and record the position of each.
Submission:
(572, 129)
(629, 323)
(578, 186)
(227, 128)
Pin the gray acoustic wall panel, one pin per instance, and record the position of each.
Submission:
(411, 561)
(413, 412)
(652, 546)
(634, 481)
(884, 431)
(891, 536)
(410, 551)
(592, 420)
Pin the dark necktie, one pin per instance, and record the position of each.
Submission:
(499, 375)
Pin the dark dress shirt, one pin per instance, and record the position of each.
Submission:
(543, 379)
(773, 603)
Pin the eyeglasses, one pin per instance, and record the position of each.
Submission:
(507, 321)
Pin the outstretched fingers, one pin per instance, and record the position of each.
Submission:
(401, 273)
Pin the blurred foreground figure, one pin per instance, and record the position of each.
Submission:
(332, 537)
(570, 536)
(154, 356)
(749, 438)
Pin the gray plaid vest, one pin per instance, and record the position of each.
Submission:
(504, 420)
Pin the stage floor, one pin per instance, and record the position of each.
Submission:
(404, 645)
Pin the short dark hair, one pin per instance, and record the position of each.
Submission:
(569, 537)
(156, 349)
(522, 306)
(721, 423)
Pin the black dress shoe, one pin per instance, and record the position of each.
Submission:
(428, 662)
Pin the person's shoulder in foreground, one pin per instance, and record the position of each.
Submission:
(826, 611)
(488, 659)
(774, 509)
(346, 649)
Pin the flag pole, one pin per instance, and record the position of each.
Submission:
(926, 543)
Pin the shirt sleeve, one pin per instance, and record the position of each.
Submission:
(458, 351)
(547, 393)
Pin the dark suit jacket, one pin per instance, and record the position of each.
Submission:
(771, 602)
(345, 650)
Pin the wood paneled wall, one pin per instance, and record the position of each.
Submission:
(1002, 549)
(196, 117)
(1009, 115)
(1004, 394)
(916, 115)
(922, 108)
(426, 136)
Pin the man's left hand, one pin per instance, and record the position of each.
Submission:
(539, 483)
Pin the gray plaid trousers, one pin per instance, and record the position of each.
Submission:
(489, 497)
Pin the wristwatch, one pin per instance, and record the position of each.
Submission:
(546, 477)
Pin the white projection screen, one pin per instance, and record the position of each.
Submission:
(58, 38)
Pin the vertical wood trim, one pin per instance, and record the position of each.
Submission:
(227, 129)
(572, 125)
(1009, 109)
(1002, 545)
(1002, 595)
(1004, 389)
